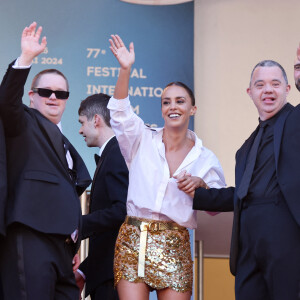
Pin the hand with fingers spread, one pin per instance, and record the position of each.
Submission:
(125, 58)
(188, 183)
(30, 44)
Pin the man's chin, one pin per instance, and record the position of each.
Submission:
(297, 84)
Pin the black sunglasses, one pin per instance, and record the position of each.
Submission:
(47, 93)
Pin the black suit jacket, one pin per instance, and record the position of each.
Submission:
(287, 159)
(41, 193)
(107, 213)
(3, 181)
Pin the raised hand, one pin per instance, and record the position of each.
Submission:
(125, 58)
(30, 45)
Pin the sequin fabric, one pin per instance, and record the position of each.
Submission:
(168, 262)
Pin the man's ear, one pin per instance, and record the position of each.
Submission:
(249, 92)
(30, 94)
(98, 121)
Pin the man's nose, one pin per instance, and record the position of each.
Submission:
(52, 96)
(268, 88)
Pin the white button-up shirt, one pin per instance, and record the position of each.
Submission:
(152, 193)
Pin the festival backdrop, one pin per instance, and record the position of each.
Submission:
(78, 32)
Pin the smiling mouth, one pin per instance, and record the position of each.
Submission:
(174, 116)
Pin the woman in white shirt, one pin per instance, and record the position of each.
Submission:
(153, 249)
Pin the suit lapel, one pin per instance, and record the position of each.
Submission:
(101, 159)
(278, 130)
(96, 172)
(241, 157)
(54, 135)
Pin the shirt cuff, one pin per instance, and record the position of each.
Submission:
(82, 274)
(16, 65)
(118, 104)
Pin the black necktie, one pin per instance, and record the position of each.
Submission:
(246, 179)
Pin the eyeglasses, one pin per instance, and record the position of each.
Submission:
(63, 95)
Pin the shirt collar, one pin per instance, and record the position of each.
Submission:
(191, 134)
(192, 155)
(59, 126)
(104, 145)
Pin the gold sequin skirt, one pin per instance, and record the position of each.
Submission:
(167, 255)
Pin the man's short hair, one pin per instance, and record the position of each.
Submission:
(35, 80)
(95, 104)
(270, 63)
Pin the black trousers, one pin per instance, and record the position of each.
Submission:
(37, 266)
(1, 291)
(269, 260)
(105, 291)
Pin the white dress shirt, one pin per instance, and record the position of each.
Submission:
(152, 193)
(68, 154)
(104, 145)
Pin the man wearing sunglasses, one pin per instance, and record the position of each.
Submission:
(45, 177)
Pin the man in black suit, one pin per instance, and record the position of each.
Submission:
(297, 84)
(45, 176)
(265, 245)
(107, 199)
(3, 181)
(3, 188)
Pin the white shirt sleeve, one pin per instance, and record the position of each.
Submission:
(16, 65)
(128, 127)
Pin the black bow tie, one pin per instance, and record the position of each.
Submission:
(97, 157)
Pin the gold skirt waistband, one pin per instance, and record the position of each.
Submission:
(152, 225)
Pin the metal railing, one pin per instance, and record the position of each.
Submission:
(199, 259)
(84, 246)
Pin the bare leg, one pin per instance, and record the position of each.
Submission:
(169, 294)
(130, 290)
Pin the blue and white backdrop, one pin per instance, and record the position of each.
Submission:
(77, 34)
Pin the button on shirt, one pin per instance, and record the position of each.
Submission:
(152, 193)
